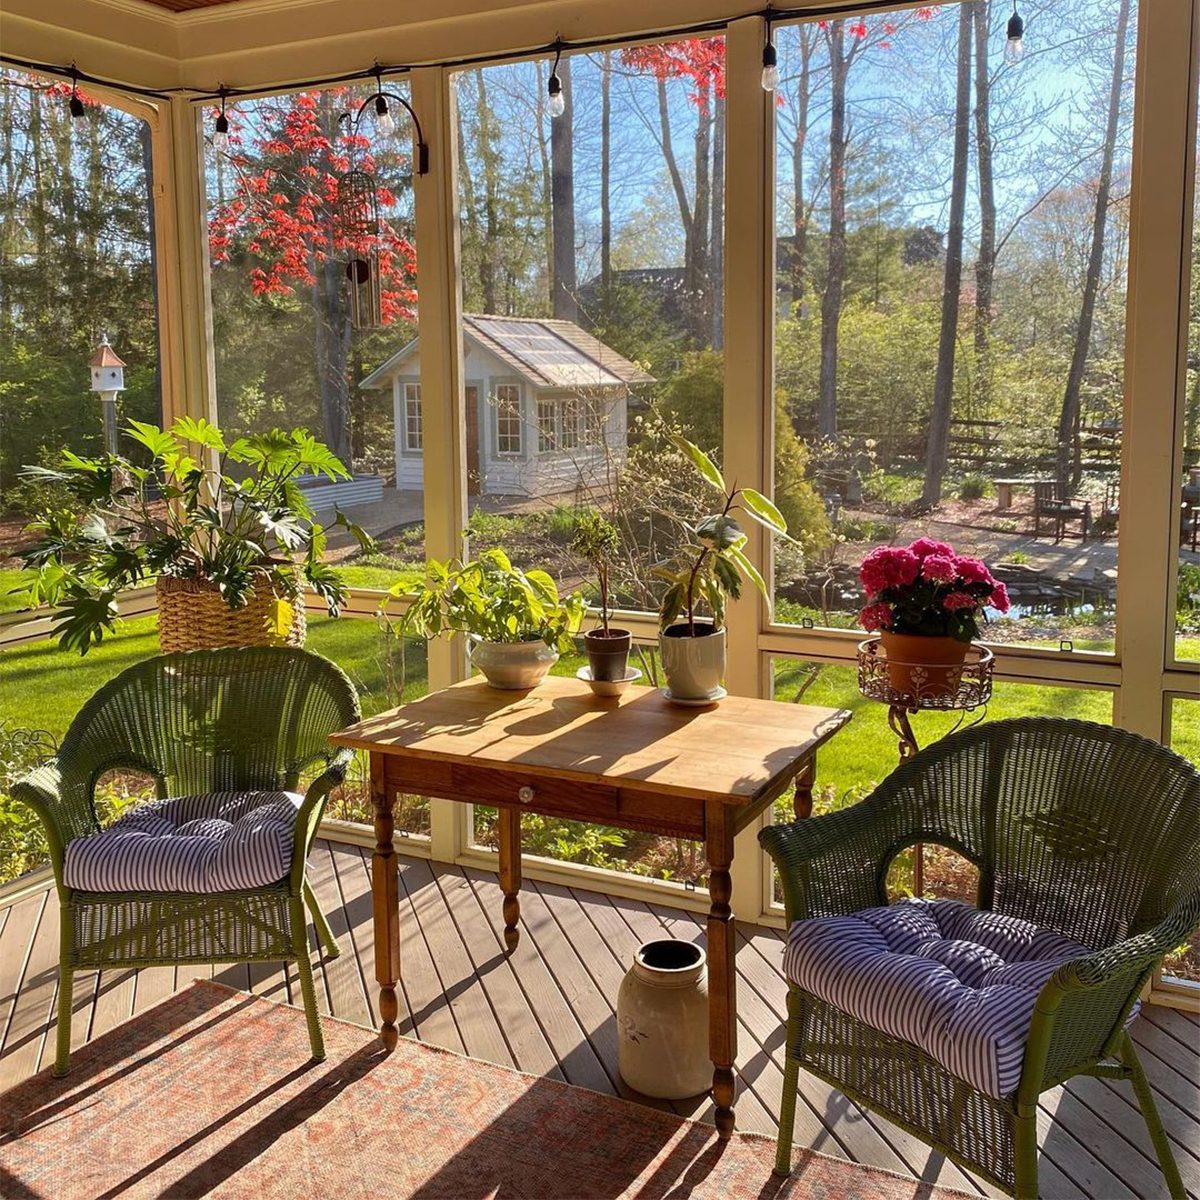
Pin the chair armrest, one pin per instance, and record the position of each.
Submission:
(834, 864)
(63, 815)
(308, 815)
(1083, 1008)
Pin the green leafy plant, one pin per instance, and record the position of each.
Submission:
(184, 515)
(710, 566)
(973, 486)
(491, 600)
(598, 542)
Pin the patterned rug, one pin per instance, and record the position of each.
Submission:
(212, 1093)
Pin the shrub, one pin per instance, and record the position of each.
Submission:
(973, 486)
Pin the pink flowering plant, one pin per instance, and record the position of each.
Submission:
(928, 590)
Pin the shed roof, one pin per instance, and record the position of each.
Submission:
(548, 353)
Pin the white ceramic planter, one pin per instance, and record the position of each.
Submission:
(516, 666)
(694, 666)
(662, 1021)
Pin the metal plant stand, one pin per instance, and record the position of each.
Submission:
(971, 695)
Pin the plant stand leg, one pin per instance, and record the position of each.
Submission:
(510, 873)
(307, 988)
(901, 726)
(385, 899)
(324, 933)
(722, 972)
(791, 1083)
(1158, 1135)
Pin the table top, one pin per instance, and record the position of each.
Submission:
(734, 752)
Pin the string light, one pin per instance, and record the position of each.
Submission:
(558, 102)
(770, 71)
(385, 123)
(75, 104)
(220, 138)
(1014, 46)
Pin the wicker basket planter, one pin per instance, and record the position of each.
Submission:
(193, 616)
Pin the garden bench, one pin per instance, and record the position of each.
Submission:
(1004, 491)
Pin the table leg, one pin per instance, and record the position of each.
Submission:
(722, 973)
(510, 873)
(385, 901)
(802, 800)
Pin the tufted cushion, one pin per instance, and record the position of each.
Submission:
(959, 983)
(216, 842)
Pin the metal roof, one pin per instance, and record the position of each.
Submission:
(550, 354)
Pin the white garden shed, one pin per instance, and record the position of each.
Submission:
(547, 406)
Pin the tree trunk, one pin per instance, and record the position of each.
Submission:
(698, 284)
(831, 302)
(488, 156)
(943, 385)
(985, 264)
(716, 241)
(1070, 467)
(799, 215)
(562, 197)
(543, 145)
(606, 173)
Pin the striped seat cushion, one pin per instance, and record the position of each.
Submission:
(959, 983)
(216, 842)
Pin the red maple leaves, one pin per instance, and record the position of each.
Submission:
(283, 211)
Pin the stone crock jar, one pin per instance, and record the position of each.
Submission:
(662, 1021)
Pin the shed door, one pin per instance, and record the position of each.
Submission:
(471, 398)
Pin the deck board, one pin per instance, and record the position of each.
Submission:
(550, 1009)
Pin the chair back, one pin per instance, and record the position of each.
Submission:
(1088, 829)
(212, 720)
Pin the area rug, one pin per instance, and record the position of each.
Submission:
(212, 1093)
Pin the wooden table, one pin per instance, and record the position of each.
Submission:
(637, 762)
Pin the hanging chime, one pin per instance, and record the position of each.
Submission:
(359, 225)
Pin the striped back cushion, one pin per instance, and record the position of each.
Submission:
(959, 983)
(216, 842)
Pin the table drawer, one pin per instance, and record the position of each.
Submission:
(549, 794)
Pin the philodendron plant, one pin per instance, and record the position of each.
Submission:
(183, 514)
(709, 568)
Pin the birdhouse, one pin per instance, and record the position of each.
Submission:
(108, 371)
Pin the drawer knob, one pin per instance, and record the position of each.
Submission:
(525, 794)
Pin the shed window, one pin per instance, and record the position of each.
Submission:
(547, 426)
(508, 418)
(414, 427)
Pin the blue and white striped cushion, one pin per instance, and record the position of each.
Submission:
(215, 842)
(959, 983)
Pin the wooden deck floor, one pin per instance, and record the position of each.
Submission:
(549, 1010)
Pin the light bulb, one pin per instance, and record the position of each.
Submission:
(770, 71)
(75, 105)
(220, 139)
(385, 123)
(1014, 45)
(558, 102)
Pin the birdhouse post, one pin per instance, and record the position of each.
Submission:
(108, 378)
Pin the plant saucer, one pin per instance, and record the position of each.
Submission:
(608, 687)
(691, 702)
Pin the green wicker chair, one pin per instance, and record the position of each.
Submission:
(210, 721)
(1087, 830)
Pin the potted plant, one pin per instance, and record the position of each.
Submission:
(597, 541)
(926, 602)
(515, 621)
(708, 569)
(229, 556)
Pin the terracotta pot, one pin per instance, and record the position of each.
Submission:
(662, 1021)
(608, 653)
(924, 667)
(694, 666)
(515, 666)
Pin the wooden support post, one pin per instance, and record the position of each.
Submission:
(385, 892)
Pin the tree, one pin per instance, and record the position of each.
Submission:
(282, 219)
(985, 259)
(562, 204)
(1069, 467)
(943, 385)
